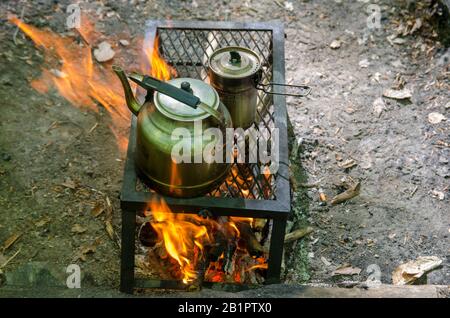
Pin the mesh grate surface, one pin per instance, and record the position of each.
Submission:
(187, 50)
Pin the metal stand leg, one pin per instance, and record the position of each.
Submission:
(127, 252)
(276, 250)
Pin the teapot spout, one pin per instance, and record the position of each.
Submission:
(132, 103)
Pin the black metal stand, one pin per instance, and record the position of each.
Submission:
(127, 251)
(276, 250)
(185, 53)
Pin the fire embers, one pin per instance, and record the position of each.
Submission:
(237, 255)
(196, 248)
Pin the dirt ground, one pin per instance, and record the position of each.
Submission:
(52, 175)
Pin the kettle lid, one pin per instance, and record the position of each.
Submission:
(234, 62)
(176, 110)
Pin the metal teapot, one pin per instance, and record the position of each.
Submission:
(236, 73)
(178, 103)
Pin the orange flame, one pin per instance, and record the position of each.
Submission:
(187, 237)
(83, 82)
(183, 236)
(158, 66)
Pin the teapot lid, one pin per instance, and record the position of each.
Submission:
(176, 110)
(234, 62)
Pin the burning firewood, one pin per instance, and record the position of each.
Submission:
(229, 263)
(218, 248)
(154, 263)
(201, 265)
(147, 235)
(248, 239)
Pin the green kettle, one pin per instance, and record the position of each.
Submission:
(171, 140)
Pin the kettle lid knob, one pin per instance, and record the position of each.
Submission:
(235, 57)
(186, 86)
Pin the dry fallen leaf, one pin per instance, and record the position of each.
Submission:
(11, 240)
(393, 39)
(347, 270)
(417, 25)
(398, 94)
(42, 222)
(83, 251)
(69, 184)
(109, 229)
(409, 272)
(78, 229)
(97, 209)
(436, 118)
(378, 106)
(347, 164)
(438, 194)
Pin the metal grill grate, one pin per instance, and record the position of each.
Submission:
(187, 50)
(186, 45)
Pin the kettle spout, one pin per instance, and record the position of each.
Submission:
(132, 103)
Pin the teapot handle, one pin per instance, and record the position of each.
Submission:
(182, 95)
(304, 90)
(151, 83)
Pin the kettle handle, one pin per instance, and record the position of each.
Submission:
(151, 83)
(304, 90)
(182, 95)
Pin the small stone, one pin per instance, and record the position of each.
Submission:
(336, 44)
(124, 42)
(288, 6)
(366, 161)
(436, 118)
(104, 52)
(58, 73)
(364, 63)
(398, 94)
